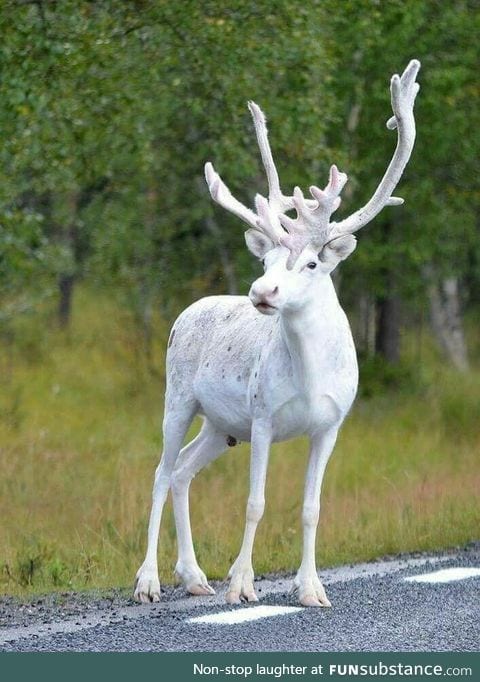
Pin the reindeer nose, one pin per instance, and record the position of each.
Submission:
(263, 292)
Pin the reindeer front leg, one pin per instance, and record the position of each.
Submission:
(307, 583)
(241, 573)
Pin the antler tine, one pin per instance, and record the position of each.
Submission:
(329, 198)
(276, 199)
(403, 90)
(269, 217)
(222, 195)
(314, 221)
(266, 219)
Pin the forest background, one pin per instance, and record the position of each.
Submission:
(108, 112)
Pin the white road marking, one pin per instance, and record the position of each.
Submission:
(244, 615)
(446, 575)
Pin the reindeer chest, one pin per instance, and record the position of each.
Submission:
(303, 394)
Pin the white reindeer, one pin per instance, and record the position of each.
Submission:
(276, 364)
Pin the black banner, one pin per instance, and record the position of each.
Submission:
(214, 667)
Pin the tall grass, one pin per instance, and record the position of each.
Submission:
(80, 417)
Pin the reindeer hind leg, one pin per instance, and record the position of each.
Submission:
(207, 446)
(175, 425)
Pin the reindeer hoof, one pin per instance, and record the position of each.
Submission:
(147, 587)
(232, 598)
(313, 600)
(194, 579)
(200, 589)
(310, 591)
(250, 597)
(241, 586)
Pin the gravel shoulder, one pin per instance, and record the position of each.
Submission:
(67, 605)
(67, 620)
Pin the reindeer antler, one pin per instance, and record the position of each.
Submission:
(277, 201)
(403, 90)
(313, 218)
(269, 212)
(312, 224)
(266, 219)
(222, 195)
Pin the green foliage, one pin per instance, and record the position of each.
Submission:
(439, 220)
(110, 110)
(378, 376)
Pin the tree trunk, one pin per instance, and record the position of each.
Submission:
(366, 326)
(65, 288)
(66, 280)
(387, 337)
(388, 302)
(74, 237)
(446, 318)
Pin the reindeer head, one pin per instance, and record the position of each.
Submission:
(296, 252)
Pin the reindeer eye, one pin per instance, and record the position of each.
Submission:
(263, 262)
(311, 265)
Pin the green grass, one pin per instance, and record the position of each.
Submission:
(80, 417)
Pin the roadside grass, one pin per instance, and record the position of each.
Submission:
(80, 416)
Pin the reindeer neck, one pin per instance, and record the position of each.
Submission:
(312, 334)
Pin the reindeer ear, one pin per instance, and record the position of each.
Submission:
(338, 249)
(258, 243)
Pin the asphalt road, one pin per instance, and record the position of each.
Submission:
(373, 609)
